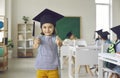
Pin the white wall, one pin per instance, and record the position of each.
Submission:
(2, 7)
(116, 12)
(8, 14)
(80, 8)
(116, 16)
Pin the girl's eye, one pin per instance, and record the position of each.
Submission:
(44, 27)
(50, 27)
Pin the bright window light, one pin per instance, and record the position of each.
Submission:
(103, 15)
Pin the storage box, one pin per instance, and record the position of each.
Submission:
(29, 54)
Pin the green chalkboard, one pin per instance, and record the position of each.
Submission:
(68, 24)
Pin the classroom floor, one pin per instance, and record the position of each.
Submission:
(24, 68)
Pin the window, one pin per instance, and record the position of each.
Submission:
(2, 13)
(103, 14)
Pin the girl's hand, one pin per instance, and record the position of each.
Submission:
(118, 52)
(58, 41)
(36, 43)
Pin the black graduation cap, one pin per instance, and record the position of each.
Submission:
(116, 30)
(99, 31)
(104, 35)
(47, 16)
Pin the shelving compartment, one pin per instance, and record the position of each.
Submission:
(25, 40)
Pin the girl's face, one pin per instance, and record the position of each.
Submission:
(48, 29)
(72, 37)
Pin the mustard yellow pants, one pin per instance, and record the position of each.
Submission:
(47, 74)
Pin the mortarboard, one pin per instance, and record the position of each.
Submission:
(116, 30)
(104, 35)
(47, 16)
(99, 31)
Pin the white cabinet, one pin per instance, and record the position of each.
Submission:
(24, 40)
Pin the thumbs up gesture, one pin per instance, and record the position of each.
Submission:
(36, 43)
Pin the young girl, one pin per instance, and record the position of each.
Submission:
(116, 30)
(70, 37)
(98, 40)
(105, 41)
(47, 61)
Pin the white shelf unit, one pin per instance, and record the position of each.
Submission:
(25, 40)
(3, 45)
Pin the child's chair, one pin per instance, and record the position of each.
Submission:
(85, 56)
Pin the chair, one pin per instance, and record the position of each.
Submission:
(108, 73)
(82, 43)
(64, 52)
(78, 43)
(68, 42)
(85, 56)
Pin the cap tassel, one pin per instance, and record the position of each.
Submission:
(33, 34)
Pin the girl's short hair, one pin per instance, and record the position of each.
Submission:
(69, 34)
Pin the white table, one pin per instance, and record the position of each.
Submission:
(112, 58)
